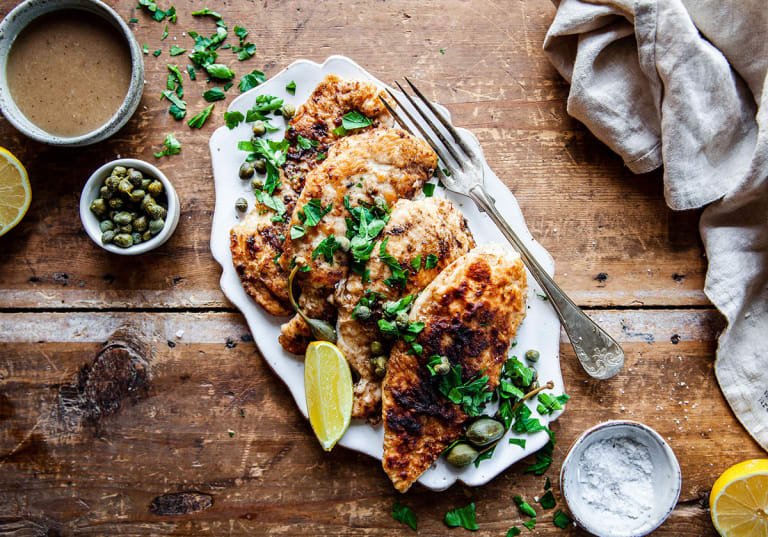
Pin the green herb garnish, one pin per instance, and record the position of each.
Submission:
(291, 87)
(431, 261)
(205, 11)
(462, 517)
(157, 53)
(320, 156)
(191, 71)
(313, 212)
(199, 120)
(172, 146)
(514, 531)
(561, 520)
(214, 94)
(133, 20)
(548, 404)
(518, 442)
(165, 33)
(416, 263)
(429, 189)
(530, 524)
(471, 395)
(240, 32)
(175, 51)
(145, 49)
(233, 119)
(253, 79)
(263, 104)
(404, 514)
(178, 107)
(548, 500)
(220, 71)
(352, 121)
(399, 274)
(543, 457)
(245, 51)
(326, 248)
(524, 506)
(306, 143)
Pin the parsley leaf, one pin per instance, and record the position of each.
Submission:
(399, 274)
(240, 32)
(313, 212)
(429, 189)
(206, 11)
(462, 517)
(549, 404)
(245, 51)
(165, 33)
(291, 88)
(264, 103)
(514, 531)
(179, 107)
(214, 94)
(233, 119)
(320, 156)
(363, 226)
(253, 79)
(369, 300)
(543, 459)
(530, 524)
(431, 262)
(220, 71)
(391, 309)
(273, 202)
(548, 500)
(404, 514)
(484, 456)
(326, 248)
(172, 146)
(547, 484)
(355, 120)
(525, 507)
(518, 442)
(306, 143)
(191, 71)
(472, 394)
(297, 231)
(416, 263)
(157, 53)
(199, 120)
(175, 51)
(561, 520)
(145, 48)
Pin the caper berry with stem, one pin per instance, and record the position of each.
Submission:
(532, 355)
(259, 128)
(288, 111)
(443, 368)
(260, 165)
(379, 365)
(246, 170)
(484, 431)
(98, 207)
(124, 240)
(377, 348)
(461, 455)
(241, 204)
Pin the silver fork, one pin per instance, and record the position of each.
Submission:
(599, 354)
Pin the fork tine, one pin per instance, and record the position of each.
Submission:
(397, 117)
(450, 128)
(427, 135)
(433, 127)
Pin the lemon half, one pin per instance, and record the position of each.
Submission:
(739, 500)
(15, 192)
(328, 389)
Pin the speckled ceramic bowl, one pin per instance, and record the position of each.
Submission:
(666, 479)
(18, 19)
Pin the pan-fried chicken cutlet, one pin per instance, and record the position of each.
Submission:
(470, 312)
(428, 228)
(377, 167)
(257, 241)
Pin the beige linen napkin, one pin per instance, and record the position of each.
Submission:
(682, 83)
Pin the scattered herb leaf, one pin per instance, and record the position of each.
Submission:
(431, 262)
(404, 514)
(548, 500)
(429, 189)
(561, 520)
(199, 120)
(233, 119)
(291, 87)
(214, 94)
(253, 79)
(172, 146)
(462, 517)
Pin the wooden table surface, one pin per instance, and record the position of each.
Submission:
(110, 443)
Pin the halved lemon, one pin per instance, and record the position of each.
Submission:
(328, 389)
(739, 500)
(15, 192)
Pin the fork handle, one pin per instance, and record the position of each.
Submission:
(599, 354)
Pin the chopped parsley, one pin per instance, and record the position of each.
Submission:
(543, 297)
(214, 94)
(548, 404)
(157, 53)
(431, 262)
(205, 11)
(471, 395)
(157, 13)
(191, 71)
(548, 500)
(547, 484)
(326, 248)
(368, 300)
(297, 232)
(404, 514)
(561, 520)
(290, 87)
(240, 32)
(306, 143)
(313, 212)
(320, 156)
(172, 146)
(543, 457)
(530, 524)
(220, 71)
(399, 274)
(253, 79)
(263, 104)
(416, 263)
(484, 456)
(199, 120)
(518, 442)
(175, 82)
(462, 517)
(524, 506)
(165, 33)
(514, 531)
(233, 119)
(178, 107)
(429, 189)
(352, 121)
(145, 48)
(228, 85)
(272, 152)
(133, 20)
(364, 225)
(175, 51)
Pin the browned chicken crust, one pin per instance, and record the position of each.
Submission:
(471, 312)
(387, 163)
(257, 242)
(415, 228)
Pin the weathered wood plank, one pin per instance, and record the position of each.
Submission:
(102, 475)
(589, 211)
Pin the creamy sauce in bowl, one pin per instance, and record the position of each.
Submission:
(68, 72)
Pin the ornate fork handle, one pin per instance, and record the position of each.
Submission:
(598, 353)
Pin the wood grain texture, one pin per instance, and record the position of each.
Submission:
(217, 431)
(580, 202)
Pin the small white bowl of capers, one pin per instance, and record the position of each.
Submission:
(129, 207)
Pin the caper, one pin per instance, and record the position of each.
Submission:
(98, 207)
(106, 225)
(259, 128)
(257, 183)
(402, 320)
(136, 237)
(146, 236)
(119, 170)
(146, 201)
(116, 203)
(246, 170)
(241, 204)
(156, 211)
(532, 355)
(362, 313)
(122, 218)
(288, 111)
(135, 177)
(443, 368)
(125, 186)
(343, 243)
(260, 165)
(380, 203)
(379, 365)
(484, 431)
(136, 195)
(140, 224)
(145, 183)
(461, 455)
(155, 226)
(377, 348)
(111, 182)
(155, 187)
(125, 228)
(105, 193)
(124, 240)
(107, 236)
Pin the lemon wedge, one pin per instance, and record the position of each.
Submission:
(15, 192)
(739, 500)
(328, 389)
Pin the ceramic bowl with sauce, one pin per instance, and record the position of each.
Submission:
(620, 479)
(91, 192)
(71, 72)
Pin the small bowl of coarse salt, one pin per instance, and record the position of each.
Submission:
(620, 479)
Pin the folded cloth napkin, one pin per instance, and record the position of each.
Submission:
(682, 83)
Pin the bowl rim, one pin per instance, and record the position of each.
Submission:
(649, 432)
(18, 19)
(91, 223)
